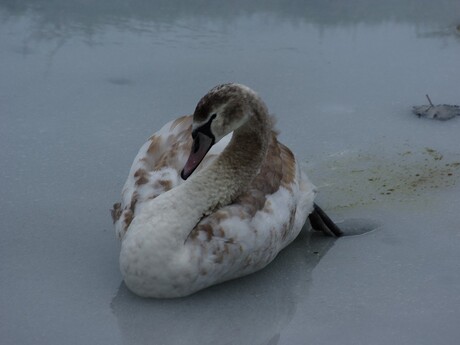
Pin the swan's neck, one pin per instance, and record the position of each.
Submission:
(236, 167)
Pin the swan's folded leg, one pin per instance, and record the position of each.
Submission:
(320, 221)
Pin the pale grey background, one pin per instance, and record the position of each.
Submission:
(84, 83)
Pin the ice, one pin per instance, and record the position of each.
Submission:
(83, 84)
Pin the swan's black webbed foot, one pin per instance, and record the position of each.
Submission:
(320, 221)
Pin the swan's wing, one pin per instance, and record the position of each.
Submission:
(247, 234)
(156, 169)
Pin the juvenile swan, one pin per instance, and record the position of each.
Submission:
(244, 198)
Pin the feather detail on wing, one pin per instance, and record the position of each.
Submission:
(156, 169)
(251, 231)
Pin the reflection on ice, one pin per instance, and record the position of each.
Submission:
(64, 18)
(250, 310)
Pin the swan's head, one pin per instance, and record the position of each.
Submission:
(221, 111)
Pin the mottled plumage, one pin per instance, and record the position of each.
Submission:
(246, 201)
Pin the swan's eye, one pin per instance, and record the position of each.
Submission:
(204, 129)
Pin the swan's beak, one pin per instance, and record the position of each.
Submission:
(201, 145)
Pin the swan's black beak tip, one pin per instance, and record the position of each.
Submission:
(183, 175)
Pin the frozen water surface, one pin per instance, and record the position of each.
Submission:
(84, 83)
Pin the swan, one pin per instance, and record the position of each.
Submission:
(211, 197)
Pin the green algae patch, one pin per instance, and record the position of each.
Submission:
(351, 179)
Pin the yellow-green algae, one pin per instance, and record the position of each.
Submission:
(351, 179)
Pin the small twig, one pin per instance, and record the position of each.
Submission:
(429, 100)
